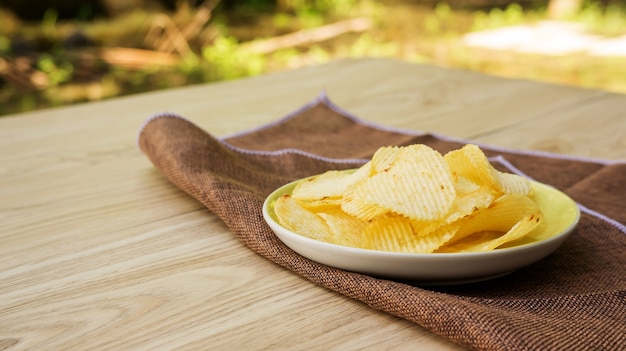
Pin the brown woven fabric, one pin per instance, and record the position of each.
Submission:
(575, 299)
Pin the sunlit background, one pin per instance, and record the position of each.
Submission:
(58, 52)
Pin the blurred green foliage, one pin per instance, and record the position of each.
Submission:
(511, 15)
(59, 71)
(229, 62)
(54, 61)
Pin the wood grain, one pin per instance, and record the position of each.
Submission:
(99, 252)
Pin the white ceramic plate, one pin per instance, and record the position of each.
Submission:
(561, 213)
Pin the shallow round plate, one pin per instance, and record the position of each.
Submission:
(561, 213)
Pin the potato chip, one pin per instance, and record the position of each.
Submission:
(346, 230)
(432, 241)
(326, 185)
(471, 163)
(464, 186)
(466, 244)
(417, 184)
(395, 233)
(299, 220)
(389, 233)
(520, 229)
(329, 184)
(424, 228)
(384, 157)
(510, 183)
(468, 202)
(324, 204)
(357, 207)
(502, 216)
(524, 226)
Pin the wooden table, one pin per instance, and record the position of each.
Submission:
(99, 252)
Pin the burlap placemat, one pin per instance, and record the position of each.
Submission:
(575, 299)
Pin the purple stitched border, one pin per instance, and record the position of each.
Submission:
(159, 115)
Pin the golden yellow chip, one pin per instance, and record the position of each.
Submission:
(395, 233)
(358, 208)
(417, 184)
(502, 216)
(384, 157)
(325, 204)
(464, 186)
(471, 163)
(326, 185)
(329, 185)
(435, 239)
(346, 230)
(510, 183)
(466, 244)
(389, 233)
(469, 202)
(361, 173)
(525, 225)
(299, 220)
(491, 240)
(424, 228)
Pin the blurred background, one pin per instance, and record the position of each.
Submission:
(59, 52)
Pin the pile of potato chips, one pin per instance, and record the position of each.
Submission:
(412, 199)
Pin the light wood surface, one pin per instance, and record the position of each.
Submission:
(99, 252)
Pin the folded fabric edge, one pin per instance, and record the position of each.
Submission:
(157, 116)
(343, 161)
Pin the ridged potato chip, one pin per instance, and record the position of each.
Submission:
(384, 157)
(326, 191)
(324, 204)
(357, 207)
(389, 233)
(395, 233)
(416, 184)
(471, 163)
(300, 220)
(468, 202)
(346, 230)
(326, 185)
(512, 216)
(487, 241)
